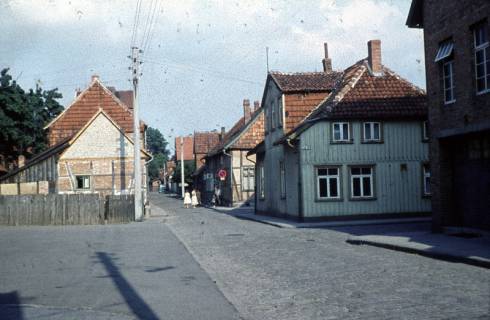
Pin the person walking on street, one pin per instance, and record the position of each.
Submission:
(217, 196)
(194, 201)
(187, 200)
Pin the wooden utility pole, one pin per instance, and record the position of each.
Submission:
(138, 204)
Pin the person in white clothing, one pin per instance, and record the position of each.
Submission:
(194, 200)
(187, 200)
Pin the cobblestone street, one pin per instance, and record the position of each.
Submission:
(273, 273)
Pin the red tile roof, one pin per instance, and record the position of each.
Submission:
(85, 106)
(243, 135)
(305, 81)
(361, 95)
(364, 95)
(205, 141)
(188, 148)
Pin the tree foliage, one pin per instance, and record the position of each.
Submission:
(23, 116)
(189, 168)
(157, 145)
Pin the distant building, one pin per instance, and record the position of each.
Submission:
(230, 156)
(343, 145)
(457, 61)
(188, 143)
(204, 142)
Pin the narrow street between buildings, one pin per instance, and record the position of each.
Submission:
(274, 273)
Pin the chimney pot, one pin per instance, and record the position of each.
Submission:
(246, 110)
(256, 105)
(327, 62)
(222, 134)
(374, 56)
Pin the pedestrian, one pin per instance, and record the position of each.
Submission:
(187, 199)
(194, 199)
(198, 195)
(217, 196)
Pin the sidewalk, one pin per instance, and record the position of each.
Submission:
(248, 214)
(474, 251)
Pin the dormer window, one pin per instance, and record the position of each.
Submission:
(482, 58)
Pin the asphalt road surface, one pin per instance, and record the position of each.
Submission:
(132, 271)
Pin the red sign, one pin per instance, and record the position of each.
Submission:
(222, 174)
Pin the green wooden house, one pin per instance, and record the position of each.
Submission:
(361, 152)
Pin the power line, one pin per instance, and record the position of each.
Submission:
(136, 23)
(149, 17)
(151, 32)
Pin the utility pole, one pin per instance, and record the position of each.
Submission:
(138, 205)
(182, 165)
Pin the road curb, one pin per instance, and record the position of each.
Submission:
(430, 254)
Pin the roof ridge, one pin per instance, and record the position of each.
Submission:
(304, 73)
(347, 87)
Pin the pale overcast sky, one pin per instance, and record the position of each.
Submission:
(204, 57)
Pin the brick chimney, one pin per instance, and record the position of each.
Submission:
(222, 134)
(256, 105)
(327, 62)
(374, 56)
(246, 110)
(21, 161)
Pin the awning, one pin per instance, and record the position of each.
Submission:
(445, 50)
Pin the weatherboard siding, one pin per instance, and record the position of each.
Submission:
(396, 190)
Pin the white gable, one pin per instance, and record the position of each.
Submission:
(101, 139)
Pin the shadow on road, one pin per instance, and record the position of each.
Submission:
(10, 306)
(139, 307)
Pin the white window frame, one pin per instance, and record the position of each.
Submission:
(449, 63)
(248, 176)
(341, 131)
(280, 112)
(282, 177)
(371, 131)
(425, 130)
(426, 179)
(86, 182)
(328, 177)
(483, 49)
(361, 177)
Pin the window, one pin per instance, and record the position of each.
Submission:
(372, 131)
(340, 132)
(83, 182)
(273, 115)
(248, 178)
(426, 177)
(361, 180)
(445, 50)
(448, 79)
(328, 183)
(280, 112)
(282, 176)
(261, 182)
(482, 58)
(425, 131)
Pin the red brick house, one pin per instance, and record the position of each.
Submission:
(203, 143)
(457, 57)
(188, 143)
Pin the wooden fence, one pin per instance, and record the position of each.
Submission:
(73, 209)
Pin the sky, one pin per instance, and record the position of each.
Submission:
(202, 57)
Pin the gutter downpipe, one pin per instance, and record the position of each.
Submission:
(255, 183)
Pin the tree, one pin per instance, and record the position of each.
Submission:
(189, 168)
(158, 147)
(23, 117)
